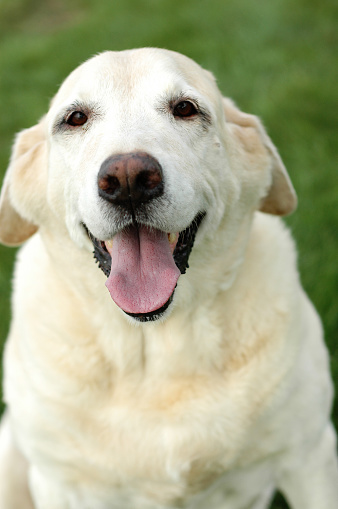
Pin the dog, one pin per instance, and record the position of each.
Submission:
(162, 352)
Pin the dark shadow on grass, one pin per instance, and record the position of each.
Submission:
(279, 502)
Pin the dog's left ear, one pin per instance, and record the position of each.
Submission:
(280, 198)
(21, 200)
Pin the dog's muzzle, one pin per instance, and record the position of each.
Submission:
(142, 263)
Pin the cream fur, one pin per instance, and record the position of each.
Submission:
(222, 401)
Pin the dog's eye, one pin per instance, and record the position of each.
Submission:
(185, 109)
(77, 118)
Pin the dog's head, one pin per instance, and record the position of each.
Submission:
(138, 156)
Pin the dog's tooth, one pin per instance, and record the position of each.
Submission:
(172, 237)
(109, 243)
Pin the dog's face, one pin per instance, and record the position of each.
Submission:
(141, 157)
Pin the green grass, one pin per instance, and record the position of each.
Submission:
(275, 58)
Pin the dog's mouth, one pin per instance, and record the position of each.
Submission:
(143, 265)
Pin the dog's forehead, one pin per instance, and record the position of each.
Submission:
(131, 72)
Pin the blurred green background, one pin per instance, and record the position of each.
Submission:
(276, 58)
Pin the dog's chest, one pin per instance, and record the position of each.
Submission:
(162, 432)
(165, 442)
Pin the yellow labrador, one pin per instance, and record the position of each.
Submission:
(186, 368)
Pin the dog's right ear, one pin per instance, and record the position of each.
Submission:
(24, 186)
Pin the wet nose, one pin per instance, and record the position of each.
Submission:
(130, 179)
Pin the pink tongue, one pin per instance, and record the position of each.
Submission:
(143, 272)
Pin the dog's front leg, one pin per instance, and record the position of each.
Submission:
(315, 484)
(14, 492)
(46, 494)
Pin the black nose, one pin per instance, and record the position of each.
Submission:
(130, 179)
